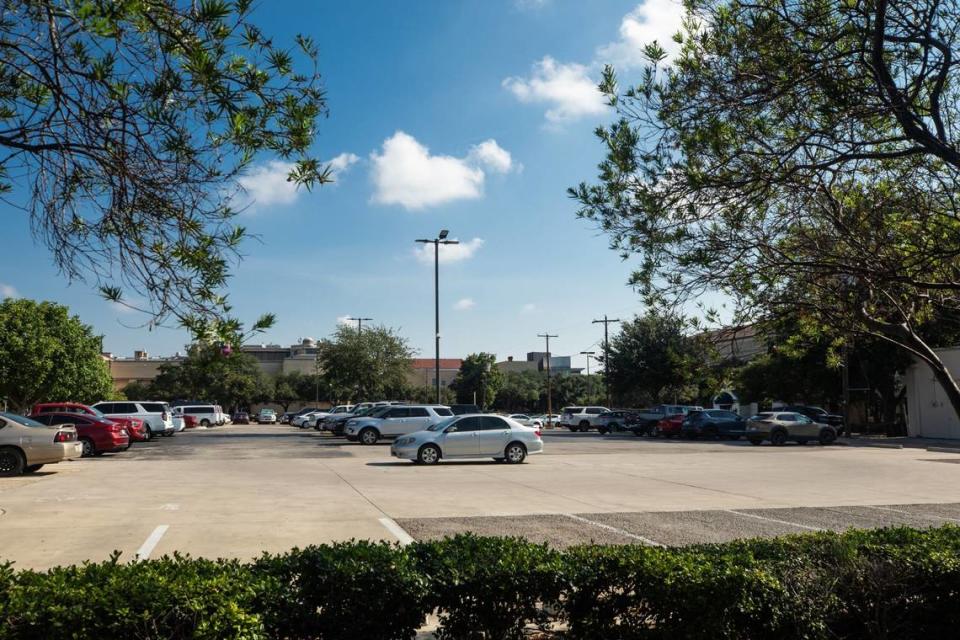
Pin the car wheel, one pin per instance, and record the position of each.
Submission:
(828, 437)
(515, 453)
(638, 432)
(756, 442)
(33, 468)
(428, 454)
(778, 438)
(614, 426)
(602, 431)
(584, 425)
(655, 432)
(88, 448)
(11, 462)
(204, 423)
(369, 436)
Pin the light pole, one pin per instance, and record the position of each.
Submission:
(549, 390)
(360, 322)
(589, 355)
(436, 242)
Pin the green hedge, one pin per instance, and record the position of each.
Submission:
(887, 583)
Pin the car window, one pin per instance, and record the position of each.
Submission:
(468, 424)
(493, 423)
(804, 420)
(21, 420)
(68, 419)
(419, 412)
(787, 417)
(397, 413)
(594, 410)
(443, 411)
(520, 416)
(571, 409)
(153, 407)
(105, 407)
(762, 416)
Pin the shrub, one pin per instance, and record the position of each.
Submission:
(490, 587)
(349, 590)
(170, 598)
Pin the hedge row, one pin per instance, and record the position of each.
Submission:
(888, 583)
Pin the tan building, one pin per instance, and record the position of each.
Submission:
(140, 368)
(423, 372)
(274, 359)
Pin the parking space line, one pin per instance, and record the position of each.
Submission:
(622, 532)
(143, 553)
(911, 513)
(397, 531)
(786, 522)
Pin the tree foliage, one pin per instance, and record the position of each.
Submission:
(372, 364)
(796, 156)
(124, 126)
(478, 378)
(654, 358)
(48, 355)
(207, 374)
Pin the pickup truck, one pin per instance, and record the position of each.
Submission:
(644, 420)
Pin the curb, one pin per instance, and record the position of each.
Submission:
(872, 445)
(944, 449)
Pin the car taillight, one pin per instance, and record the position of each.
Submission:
(163, 416)
(64, 436)
(117, 428)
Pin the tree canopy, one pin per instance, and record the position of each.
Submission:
(207, 374)
(48, 355)
(123, 129)
(364, 365)
(797, 157)
(478, 378)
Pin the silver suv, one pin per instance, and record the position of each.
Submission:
(581, 418)
(396, 421)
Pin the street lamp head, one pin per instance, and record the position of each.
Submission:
(588, 353)
(423, 240)
(444, 233)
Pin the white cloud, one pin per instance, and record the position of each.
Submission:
(531, 4)
(267, 184)
(7, 291)
(528, 308)
(653, 20)
(405, 173)
(567, 89)
(464, 304)
(495, 157)
(344, 320)
(449, 252)
(342, 163)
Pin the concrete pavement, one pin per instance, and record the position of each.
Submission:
(239, 490)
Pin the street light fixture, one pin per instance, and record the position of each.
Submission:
(436, 242)
(589, 355)
(359, 322)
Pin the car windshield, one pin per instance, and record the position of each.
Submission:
(21, 420)
(443, 424)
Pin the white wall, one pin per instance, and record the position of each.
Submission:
(929, 412)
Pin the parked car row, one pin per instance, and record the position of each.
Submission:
(777, 426)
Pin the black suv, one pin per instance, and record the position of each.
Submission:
(816, 414)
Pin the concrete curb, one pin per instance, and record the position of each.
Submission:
(944, 449)
(873, 445)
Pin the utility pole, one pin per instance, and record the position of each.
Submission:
(589, 355)
(606, 353)
(845, 382)
(549, 390)
(360, 322)
(436, 242)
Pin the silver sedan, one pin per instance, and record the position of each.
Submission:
(26, 445)
(470, 436)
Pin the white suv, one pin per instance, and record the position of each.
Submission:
(156, 416)
(206, 414)
(581, 418)
(397, 421)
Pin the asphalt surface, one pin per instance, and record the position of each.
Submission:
(237, 491)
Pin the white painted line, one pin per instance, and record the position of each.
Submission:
(397, 531)
(170, 506)
(150, 543)
(792, 524)
(627, 534)
(911, 513)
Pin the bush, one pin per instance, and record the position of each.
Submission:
(349, 590)
(170, 598)
(889, 583)
(490, 587)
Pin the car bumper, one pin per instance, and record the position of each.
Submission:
(406, 452)
(352, 437)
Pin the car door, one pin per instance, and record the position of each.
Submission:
(494, 434)
(806, 427)
(419, 419)
(394, 421)
(460, 438)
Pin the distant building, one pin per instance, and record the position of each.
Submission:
(929, 411)
(423, 372)
(737, 343)
(537, 361)
(140, 368)
(275, 359)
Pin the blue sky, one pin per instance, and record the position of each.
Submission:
(471, 116)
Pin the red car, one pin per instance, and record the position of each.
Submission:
(668, 427)
(97, 435)
(76, 407)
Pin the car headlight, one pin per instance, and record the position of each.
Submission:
(405, 441)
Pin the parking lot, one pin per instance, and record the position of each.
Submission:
(236, 491)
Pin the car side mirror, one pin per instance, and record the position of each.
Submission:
(452, 429)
